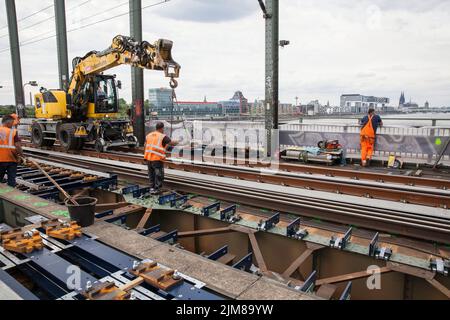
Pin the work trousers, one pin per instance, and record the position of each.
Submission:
(156, 174)
(367, 148)
(10, 168)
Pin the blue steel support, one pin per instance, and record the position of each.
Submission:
(218, 253)
(346, 295)
(226, 213)
(150, 231)
(178, 202)
(59, 269)
(171, 237)
(211, 209)
(245, 263)
(111, 257)
(162, 200)
(269, 223)
(310, 283)
(16, 286)
(104, 214)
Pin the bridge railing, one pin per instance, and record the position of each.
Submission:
(422, 145)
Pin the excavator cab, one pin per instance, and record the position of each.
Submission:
(98, 98)
(105, 96)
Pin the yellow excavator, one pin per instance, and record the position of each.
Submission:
(89, 111)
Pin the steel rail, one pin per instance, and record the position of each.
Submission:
(408, 224)
(120, 163)
(352, 174)
(308, 198)
(438, 183)
(406, 194)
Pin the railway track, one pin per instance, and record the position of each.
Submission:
(422, 225)
(405, 189)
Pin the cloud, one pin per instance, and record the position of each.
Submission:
(366, 75)
(336, 47)
(410, 5)
(209, 11)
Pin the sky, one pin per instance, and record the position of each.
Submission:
(371, 47)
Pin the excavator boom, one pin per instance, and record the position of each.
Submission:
(88, 112)
(125, 51)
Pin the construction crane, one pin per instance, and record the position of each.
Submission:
(89, 111)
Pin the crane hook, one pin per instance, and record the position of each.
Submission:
(173, 83)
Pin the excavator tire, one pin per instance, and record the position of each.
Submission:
(67, 137)
(80, 144)
(37, 136)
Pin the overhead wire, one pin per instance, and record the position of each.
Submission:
(25, 43)
(31, 15)
(47, 19)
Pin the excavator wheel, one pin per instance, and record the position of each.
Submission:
(80, 144)
(133, 142)
(100, 145)
(67, 137)
(37, 136)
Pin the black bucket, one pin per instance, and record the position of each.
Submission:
(84, 213)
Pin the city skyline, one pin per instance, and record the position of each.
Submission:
(322, 62)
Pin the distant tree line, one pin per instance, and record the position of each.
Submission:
(10, 109)
(123, 108)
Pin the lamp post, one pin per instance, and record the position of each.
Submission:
(22, 113)
(33, 84)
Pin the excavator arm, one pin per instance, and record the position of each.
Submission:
(125, 51)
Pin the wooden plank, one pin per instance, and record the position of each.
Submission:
(206, 232)
(257, 253)
(311, 247)
(349, 276)
(242, 229)
(417, 272)
(297, 263)
(326, 291)
(227, 259)
(157, 234)
(82, 193)
(440, 287)
(133, 284)
(110, 206)
(144, 219)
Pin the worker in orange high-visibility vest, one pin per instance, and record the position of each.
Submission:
(10, 150)
(156, 145)
(370, 124)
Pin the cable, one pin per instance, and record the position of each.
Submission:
(104, 11)
(45, 20)
(117, 16)
(25, 43)
(29, 16)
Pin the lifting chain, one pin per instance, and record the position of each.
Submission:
(173, 84)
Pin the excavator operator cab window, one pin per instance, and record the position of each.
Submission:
(88, 92)
(106, 97)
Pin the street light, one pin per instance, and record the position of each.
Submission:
(33, 84)
(284, 43)
(21, 109)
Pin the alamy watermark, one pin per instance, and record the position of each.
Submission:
(227, 144)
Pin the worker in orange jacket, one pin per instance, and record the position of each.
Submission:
(156, 145)
(10, 150)
(370, 124)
